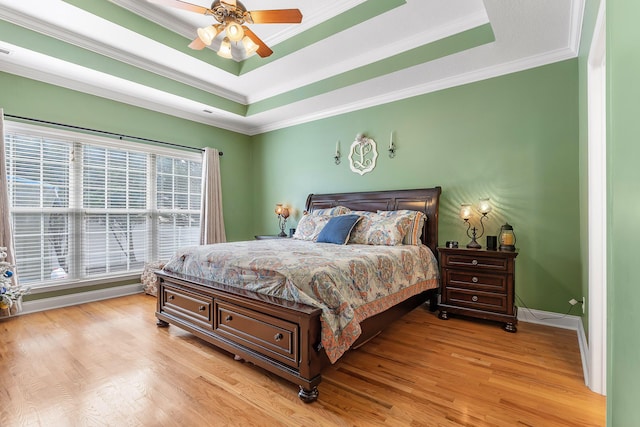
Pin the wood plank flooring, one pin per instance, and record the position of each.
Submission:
(107, 364)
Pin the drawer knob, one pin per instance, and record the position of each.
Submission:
(228, 318)
(278, 336)
(171, 297)
(474, 298)
(201, 308)
(474, 262)
(474, 279)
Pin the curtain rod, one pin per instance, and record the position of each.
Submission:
(104, 132)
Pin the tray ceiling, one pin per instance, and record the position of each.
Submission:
(346, 55)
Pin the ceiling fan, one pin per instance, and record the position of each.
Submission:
(230, 37)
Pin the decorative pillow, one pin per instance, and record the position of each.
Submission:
(338, 229)
(414, 233)
(334, 211)
(376, 229)
(149, 279)
(310, 226)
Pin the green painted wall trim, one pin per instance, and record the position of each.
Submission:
(121, 16)
(347, 19)
(52, 47)
(623, 194)
(429, 52)
(513, 138)
(126, 19)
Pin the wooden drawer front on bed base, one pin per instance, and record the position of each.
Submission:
(271, 336)
(187, 305)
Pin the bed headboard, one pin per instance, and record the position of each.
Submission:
(426, 200)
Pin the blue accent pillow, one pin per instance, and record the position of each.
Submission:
(338, 229)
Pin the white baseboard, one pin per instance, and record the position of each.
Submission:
(79, 298)
(563, 321)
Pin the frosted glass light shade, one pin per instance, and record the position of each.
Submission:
(484, 206)
(249, 46)
(465, 211)
(207, 34)
(234, 31)
(225, 49)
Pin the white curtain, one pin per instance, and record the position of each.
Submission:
(6, 236)
(211, 219)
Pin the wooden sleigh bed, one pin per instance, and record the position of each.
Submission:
(279, 335)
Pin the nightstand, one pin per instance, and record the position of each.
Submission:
(478, 283)
(270, 236)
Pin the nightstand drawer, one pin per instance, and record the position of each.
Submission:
(496, 263)
(476, 299)
(474, 280)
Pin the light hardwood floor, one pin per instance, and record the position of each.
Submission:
(107, 364)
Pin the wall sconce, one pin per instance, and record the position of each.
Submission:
(392, 147)
(283, 213)
(337, 156)
(483, 207)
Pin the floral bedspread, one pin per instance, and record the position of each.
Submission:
(348, 282)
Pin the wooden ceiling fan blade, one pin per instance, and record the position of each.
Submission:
(280, 16)
(183, 5)
(263, 49)
(197, 44)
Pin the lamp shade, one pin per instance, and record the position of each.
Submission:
(465, 211)
(282, 210)
(225, 49)
(484, 206)
(234, 31)
(207, 34)
(249, 46)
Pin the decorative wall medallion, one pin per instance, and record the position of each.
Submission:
(363, 155)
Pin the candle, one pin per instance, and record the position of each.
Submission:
(337, 147)
(391, 141)
(507, 239)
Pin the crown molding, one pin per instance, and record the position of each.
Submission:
(364, 101)
(36, 24)
(575, 28)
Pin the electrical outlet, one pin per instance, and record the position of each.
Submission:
(573, 301)
(584, 304)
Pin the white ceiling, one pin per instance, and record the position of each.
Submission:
(528, 33)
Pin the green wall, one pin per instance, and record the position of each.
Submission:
(512, 138)
(623, 175)
(30, 98)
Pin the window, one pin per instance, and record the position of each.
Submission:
(85, 207)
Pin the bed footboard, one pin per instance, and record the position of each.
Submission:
(280, 336)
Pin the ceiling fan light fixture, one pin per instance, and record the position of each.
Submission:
(234, 31)
(207, 34)
(238, 52)
(249, 46)
(225, 49)
(217, 41)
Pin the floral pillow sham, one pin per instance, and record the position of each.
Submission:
(334, 211)
(375, 229)
(414, 233)
(310, 226)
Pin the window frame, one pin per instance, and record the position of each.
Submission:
(76, 209)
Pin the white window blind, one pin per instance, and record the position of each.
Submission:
(86, 207)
